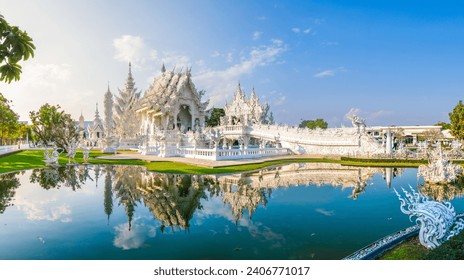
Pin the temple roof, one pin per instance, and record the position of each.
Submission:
(165, 90)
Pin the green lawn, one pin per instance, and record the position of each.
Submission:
(34, 159)
(409, 250)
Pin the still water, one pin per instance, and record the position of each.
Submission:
(294, 211)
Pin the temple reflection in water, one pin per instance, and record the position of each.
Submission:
(173, 199)
(308, 207)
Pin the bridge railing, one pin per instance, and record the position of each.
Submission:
(231, 154)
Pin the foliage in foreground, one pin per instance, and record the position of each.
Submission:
(411, 249)
(453, 249)
(457, 121)
(15, 45)
(53, 126)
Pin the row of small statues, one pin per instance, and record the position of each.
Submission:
(52, 154)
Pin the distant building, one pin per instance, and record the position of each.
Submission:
(92, 133)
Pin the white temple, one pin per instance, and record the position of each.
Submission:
(93, 133)
(169, 120)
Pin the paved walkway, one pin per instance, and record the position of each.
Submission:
(208, 163)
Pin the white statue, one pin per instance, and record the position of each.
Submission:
(358, 122)
(85, 154)
(439, 169)
(71, 148)
(51, 156)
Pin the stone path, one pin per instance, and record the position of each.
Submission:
(208, 163)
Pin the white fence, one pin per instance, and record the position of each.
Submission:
(213, 154)
(230, 154)
(8, 149)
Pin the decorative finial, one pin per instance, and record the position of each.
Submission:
(96, 108)
(163, 68)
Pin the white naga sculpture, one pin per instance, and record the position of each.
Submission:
(437, 220)
(358, 122)
(439, 169)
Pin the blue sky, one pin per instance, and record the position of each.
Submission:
(391, 62)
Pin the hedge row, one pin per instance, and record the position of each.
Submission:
(384, 160)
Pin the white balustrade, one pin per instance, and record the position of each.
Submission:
(8, 149)
(230, 154)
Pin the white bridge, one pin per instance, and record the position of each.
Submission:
(258, 140)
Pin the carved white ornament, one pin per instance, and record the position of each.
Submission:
(437, 220)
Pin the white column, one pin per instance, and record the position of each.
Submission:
(388, 145)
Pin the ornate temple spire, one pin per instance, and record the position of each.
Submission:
(97, 121)
(81, 122)
(108, 112)
(130, 80)
(239, 92)
(125, 119)
(163, 69)
(253, 95)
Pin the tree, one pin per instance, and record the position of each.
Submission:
(8, 121)
(432, 135)
(15, 45)
(8, 185)
(215, 117)
(443, 125)
(457, 121)
(53, 126)
(313, 124)
(268, 116)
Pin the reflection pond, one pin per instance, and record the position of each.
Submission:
(294, 211)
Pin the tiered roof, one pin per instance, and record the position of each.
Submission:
(164, 92)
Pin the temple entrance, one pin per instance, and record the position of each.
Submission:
(184, 119)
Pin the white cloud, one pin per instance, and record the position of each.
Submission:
(257, 35)
(325, 212)
(133, 49)
(274, 98)
(229, 56)
(298, 30)
(307, 31)
(46, 75)
(329, 72)
(369, 116)
(352, 112)
(277, 42)
(215, 207)
(330, 43)
(215, 54)
(379, 114)
(220, 84)
(324, 74)
(135, 237)
(38, 205)
(174, 59)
